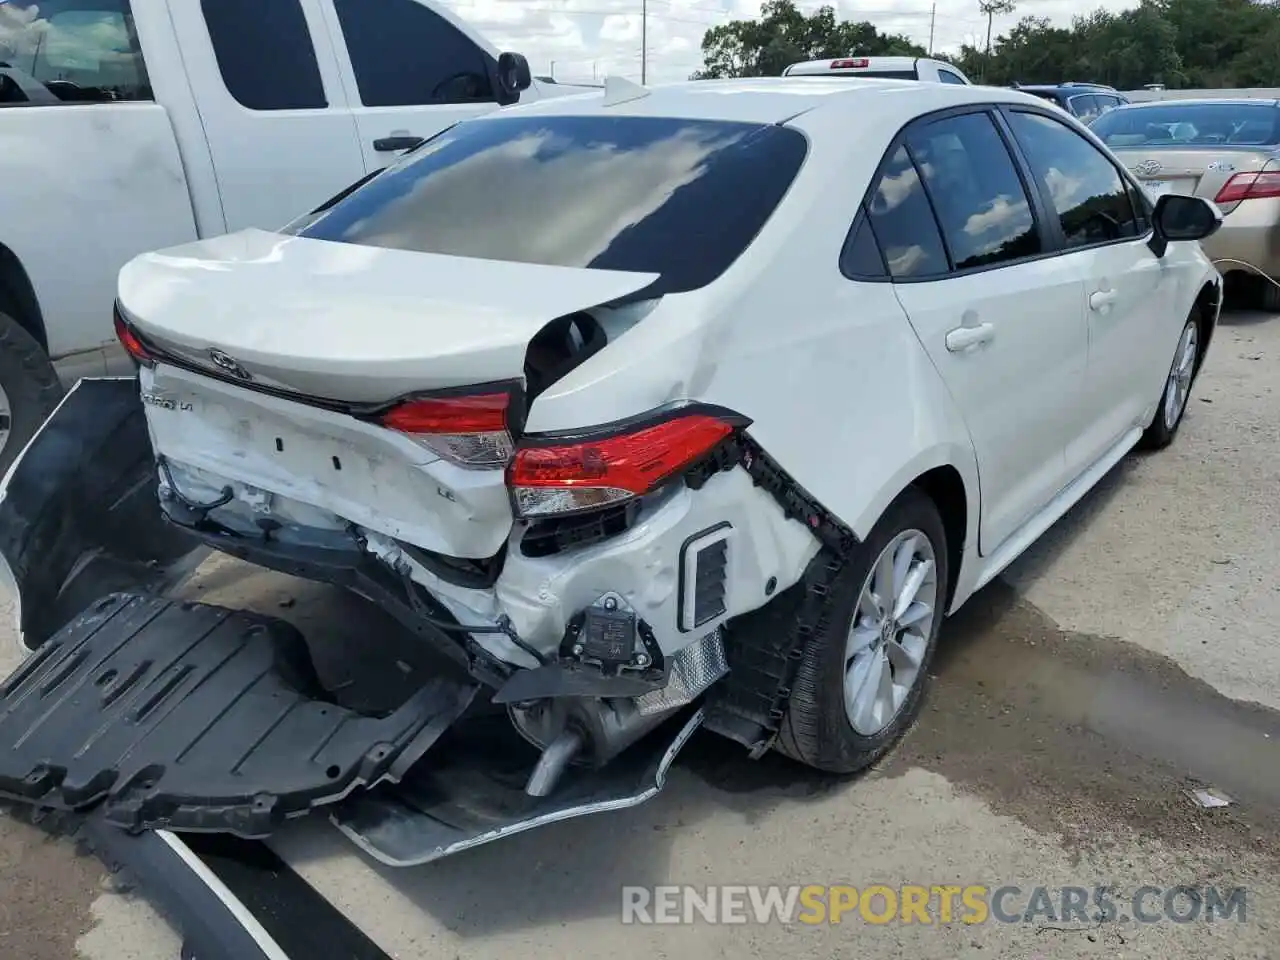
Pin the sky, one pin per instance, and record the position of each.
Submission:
(582, 40)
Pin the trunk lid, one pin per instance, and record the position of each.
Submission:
(352, 323)
(1191, 171)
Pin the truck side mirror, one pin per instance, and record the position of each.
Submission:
(513, 76)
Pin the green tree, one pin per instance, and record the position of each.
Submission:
(783, 35)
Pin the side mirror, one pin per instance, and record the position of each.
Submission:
(1182, 218)
(513, 76)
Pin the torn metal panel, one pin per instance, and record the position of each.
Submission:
(196, 718)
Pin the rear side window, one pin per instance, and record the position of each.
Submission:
(403, 53)
(265, 53)
(1085, 107)
(946, 76)
(903, 222)
(74, 51)
(1087, 191)
(680, 198)
(976, 191)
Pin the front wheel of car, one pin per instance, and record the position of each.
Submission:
(861, 681)
(1177, 387)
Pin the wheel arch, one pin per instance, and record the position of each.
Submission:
(18, 296)
(1209, 302)
(948, 475)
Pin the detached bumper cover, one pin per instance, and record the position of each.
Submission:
(196, 718)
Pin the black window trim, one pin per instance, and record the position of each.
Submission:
(1046, 219)
(1126, 179)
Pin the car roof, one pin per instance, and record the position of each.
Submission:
(765, 99)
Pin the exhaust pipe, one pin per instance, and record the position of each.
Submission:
(552, 764)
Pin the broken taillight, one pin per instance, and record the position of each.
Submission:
(130, 340)
(470, 430)
(551, 475)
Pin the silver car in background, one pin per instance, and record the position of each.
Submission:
(1227, 151)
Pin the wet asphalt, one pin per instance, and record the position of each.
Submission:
(1131, 658)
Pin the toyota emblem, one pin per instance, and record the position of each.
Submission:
(228, 364)
(1148, 167)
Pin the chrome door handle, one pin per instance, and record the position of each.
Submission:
(1101, 299)
(962, 338)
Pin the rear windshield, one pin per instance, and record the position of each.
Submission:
(1189, 124)
(680, 198)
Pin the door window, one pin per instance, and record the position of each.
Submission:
(860, 259)
(1085, 107)
(1086, 190)
(903, 222)
(81, 51)
(404, 54)
(265, 53)
(976, 191)
(946, 76)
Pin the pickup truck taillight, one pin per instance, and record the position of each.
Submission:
(470, 430)
(130, 340)
(564, 474)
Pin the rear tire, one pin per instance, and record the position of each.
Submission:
(29, 388)
(819, 726)
(1177, 386)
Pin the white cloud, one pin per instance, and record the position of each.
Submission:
(588, 39)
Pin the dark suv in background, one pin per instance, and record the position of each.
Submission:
(1086, 101)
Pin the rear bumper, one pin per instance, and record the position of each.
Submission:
(1250, 233)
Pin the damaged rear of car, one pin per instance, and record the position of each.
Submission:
(356, 400)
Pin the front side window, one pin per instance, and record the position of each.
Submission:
(679, 198)
(985, 214)
(903, 222)
(79, 51)
(1088, 194)
(265, 53)
(403, 53)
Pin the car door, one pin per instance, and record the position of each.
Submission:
(967, 247)
(279, 129)
(1131, 297)
(411, 71)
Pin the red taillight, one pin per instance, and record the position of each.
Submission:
(132, 344)
(1250, 186)
(556, 478)
(855, 62)
(469, 430)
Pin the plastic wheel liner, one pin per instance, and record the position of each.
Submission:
(154, 713)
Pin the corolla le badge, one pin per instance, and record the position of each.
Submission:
(1148, 167)
(228, 364)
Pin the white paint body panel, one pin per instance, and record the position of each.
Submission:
(849, 384)
(195, 163)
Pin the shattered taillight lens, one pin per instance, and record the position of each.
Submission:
(551, 475)
(470, 430)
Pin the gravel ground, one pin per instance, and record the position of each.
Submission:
(1130, 656)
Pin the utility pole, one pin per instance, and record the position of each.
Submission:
(644, 41)
(933, 17)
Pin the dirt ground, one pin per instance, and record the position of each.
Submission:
(1129, 658)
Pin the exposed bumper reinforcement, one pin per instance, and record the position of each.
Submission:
(196, 718)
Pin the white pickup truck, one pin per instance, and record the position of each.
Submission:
(131, 125)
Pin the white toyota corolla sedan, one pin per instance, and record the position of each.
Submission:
(721, 394)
